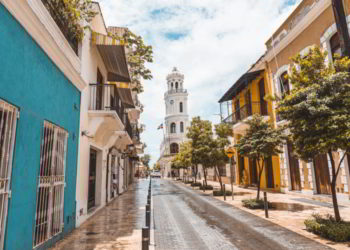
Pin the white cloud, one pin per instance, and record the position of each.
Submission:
(222, 39)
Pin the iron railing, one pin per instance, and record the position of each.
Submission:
(174, 91)
(246, 111)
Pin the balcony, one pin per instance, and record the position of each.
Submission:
(108, 120)
(175, 91)
(238, 117)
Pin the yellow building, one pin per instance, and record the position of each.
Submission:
(244, 99)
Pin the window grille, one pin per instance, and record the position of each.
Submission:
(50, 192)
(8, 121)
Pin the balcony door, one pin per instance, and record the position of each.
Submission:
(99, 91)
(237, 110)
(248, 103)
(92, 179)
(263, 103)
(323, 184)
(293, 168)
(253, 172)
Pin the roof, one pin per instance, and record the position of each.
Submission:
(239, 85)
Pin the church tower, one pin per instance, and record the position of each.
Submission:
(176, 116)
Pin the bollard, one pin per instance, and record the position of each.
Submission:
(148, 218)
(224, 192)
(266, 206)
(203, 187)
(145, 238)
(148, 208)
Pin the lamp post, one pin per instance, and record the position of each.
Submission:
(230, 152)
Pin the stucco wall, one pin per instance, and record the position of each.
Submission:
(32, 82)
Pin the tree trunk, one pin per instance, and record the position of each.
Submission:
(220, 180)
(195, 167)
(260, 169)
(335, 173)
(205, 176)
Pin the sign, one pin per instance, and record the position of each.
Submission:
(230, 152)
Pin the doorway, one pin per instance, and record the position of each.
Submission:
(248, 103)
(323, 184)
(99, 91)
(263, 103)
(293, 168)
(92, 179)
(269, 173)
(253, 172)
(241, 169)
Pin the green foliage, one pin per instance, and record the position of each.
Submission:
(68, 14)
(317, 108)
(328, 228)
(183, 159)
(207, 187)
(146, 159)
(156, 166)
(254, 204)
(139, 54)
(221, 193)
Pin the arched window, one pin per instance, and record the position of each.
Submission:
(172, 85)
(335, 45)
(173, 128)
(176, 85)
(181, 127)
(174, 148)
(284, 83)
(181, 107)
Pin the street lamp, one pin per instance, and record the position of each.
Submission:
(230, 151)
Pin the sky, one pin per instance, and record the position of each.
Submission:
(212, 42)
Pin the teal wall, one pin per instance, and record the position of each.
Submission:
(32, 82)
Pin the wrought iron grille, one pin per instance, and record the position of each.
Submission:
(50, 192)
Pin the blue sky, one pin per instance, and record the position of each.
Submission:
(212, 42)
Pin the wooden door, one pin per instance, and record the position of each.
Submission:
(241, 169)
(237, 110)
(253, 172)
(248, 103)
(323, 184)
(263, 103)
(269, 173)
(99, 91)
(293, 168)
(92, 179)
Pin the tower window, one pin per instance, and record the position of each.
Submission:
(181, 127)
(173, 128)
(181, 107)
(174, 148)
(176, 85)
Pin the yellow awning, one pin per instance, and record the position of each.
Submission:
(113, 55)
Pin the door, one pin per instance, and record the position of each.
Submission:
(323, 184)
(237, 110)
(293, 168)
(248, 104)
(99, 91)
(8, 121)
(241, 169)
(92, 179)
(269, 173)
(263, 103)
(253, 172)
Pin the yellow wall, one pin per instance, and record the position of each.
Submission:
(255, 97)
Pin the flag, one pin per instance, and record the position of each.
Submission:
(160, 126)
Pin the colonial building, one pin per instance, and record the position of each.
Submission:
(176, 120)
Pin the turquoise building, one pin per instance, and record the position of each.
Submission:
(39, 135)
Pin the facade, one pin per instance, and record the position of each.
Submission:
(244, 99)
(39, 127)
(291, 38)
(176, 120)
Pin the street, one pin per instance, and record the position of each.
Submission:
(184, 219)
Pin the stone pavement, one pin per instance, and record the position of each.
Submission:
(188, 219)
(116, 226)
(293, 208)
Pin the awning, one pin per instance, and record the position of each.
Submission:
(113, 55)
(125, 97)
(239, 85)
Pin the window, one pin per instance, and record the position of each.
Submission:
(335, 45)
(8, 120)
(173, 128)
(284, 83)
(50, 193)
(181, 107)
(171, 102)
(176, 85)
(172, 85)
(181, 127)
(174, 148)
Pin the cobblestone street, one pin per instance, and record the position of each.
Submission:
(117, 226)
(185, 219)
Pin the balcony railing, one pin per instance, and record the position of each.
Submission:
(247, 111)
(128, 127)
(174, 91)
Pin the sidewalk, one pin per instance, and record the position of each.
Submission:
(116, 226)
(292, 209)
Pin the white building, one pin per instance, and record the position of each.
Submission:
(108, 123)
(176, 120)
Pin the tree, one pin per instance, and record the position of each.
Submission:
(260, 142)
(201, 135)
(183, 159)
(218, 154)
(156, 166)
(146, 159)
(318, 110)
